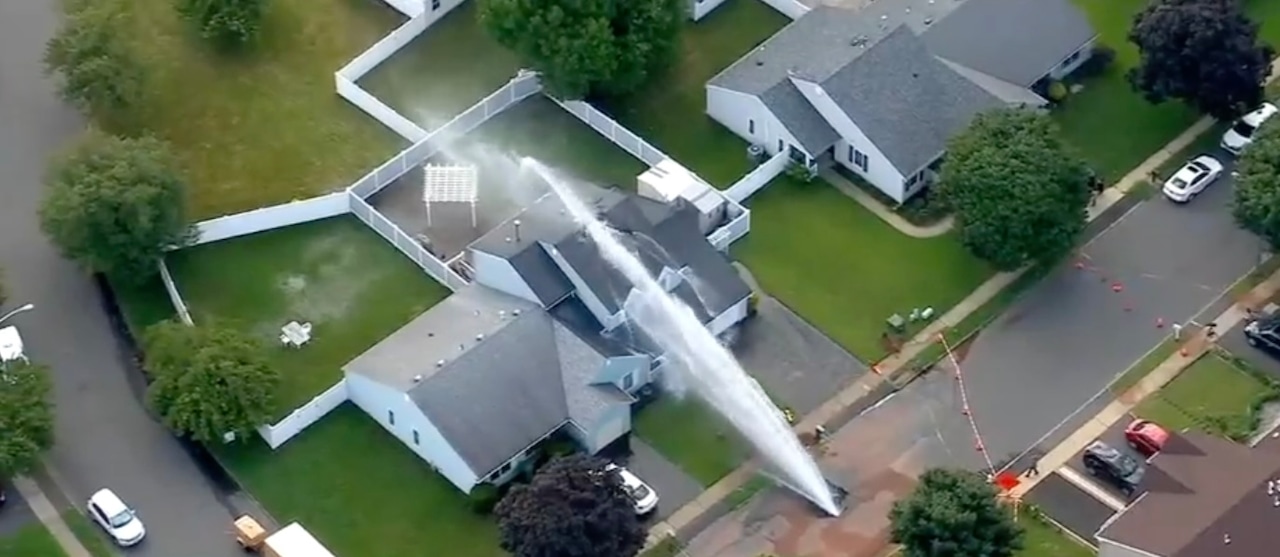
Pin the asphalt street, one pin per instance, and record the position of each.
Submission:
(105, 436)
(1069, 506)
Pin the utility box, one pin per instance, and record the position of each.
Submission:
(667, 181)
(294, 541)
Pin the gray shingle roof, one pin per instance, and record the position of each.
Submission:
(799, 117)
(1017, 41)
(495, 394)
(540, 222)
(905, 100)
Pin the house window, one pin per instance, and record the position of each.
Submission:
(1071, 59)
(391, 417)
(913, 179)
(779, 145)
(416, 440)
(860, 159)
(751, 127)
(435, 4)
(851, 153)
(628, 381)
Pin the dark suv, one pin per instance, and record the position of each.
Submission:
(1120, 469)
(1264, 334)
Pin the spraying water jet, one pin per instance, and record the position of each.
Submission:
(706, 368)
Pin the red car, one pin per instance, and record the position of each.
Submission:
(1146, 437)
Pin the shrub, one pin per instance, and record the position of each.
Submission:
(229, 24)
(484, 498)
(800, 172)
(1057, 91)
(1102, 58)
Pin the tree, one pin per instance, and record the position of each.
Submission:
(572, 508)
(209, 380)
(1204, 52)
(954, 513)
(586, 47)
(115, 205)
(99, 73)
(26, 418)
(230, 25)
(1018, 193)
(1256, 206)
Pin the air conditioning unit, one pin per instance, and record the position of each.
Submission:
(756, 154)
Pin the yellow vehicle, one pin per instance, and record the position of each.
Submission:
(291, 541)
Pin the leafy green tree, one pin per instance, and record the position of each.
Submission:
(1019, 194)
(585, 47)
(1204, 52)
(114, 205)
(1256, 206)
(209, 380)
(231, 25)
(99, 73)
(954, 513)
(26, 417)
(572, 508)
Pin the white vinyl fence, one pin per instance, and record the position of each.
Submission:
(524, 85)
(722, 237)
(407, 245)
(268, 218)
(311, 412)
(755, 180)
(789, 8)
(175, 295)
(615, 132)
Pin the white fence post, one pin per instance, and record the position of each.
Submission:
(407, 245)
(758, 178)
(276, 434)
(175, 296)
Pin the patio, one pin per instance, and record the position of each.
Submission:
(535, 127)
(335, 274)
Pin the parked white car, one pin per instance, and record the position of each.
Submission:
(645, 497)
(1241, 133)
(118, 519)
(1192, 178)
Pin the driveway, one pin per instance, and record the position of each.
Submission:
(675, 488)
(796, 363)
(1069, 506)
(104, 435)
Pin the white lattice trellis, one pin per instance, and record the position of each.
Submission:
(449, 184)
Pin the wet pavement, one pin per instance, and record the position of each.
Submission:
(674, 487)
(1069, 506)
(15, 514)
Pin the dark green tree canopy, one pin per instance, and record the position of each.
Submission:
(209, 380)
(98, 71)
(230, 25)
(572, 508)
(585, 47)
(26, 418)
(954, 513)
(1019, 194)
(1203, 52)
(114, 205)
(1256, 206)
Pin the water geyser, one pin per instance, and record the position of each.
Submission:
(706, 367)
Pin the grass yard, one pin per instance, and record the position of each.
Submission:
(443, 71)
(31, 541)
(335, 273)
(1113, 126)
(1212, 394)
(537, 127)
(267, 128)
(845, 270)
(1046, 540)
(361, 492)
(671, 112)
(90, 535)
(692, 436)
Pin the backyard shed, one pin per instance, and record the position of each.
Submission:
(667, 181)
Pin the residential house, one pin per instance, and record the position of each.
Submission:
(539, 343)
(880, 89)
(1207, 497)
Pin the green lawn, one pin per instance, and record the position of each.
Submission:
(1046, 540)
(671, 112)
(537, 127)
(692, 436)
(1212, 394)
(90, 536)
(267, 128)
(1113, 126)
(443, 71)
(845, 270)
(31, 541)
(335, 273)
(361, 492)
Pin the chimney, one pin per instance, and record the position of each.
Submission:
(516, 225)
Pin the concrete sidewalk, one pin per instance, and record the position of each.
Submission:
(854, 393)
(50, 517)
(1194, 347)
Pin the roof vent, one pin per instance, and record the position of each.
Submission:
(759, 62)
(508, 239)
(477, 313)
(439, 363)
(515, 312)
(1226, 539)
(462, 347)
(417, 378)
(502, 314)
(884, 17)
(480, 337)
(858, 40)
(908, 10)
(928, 20)
(1271, 487)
